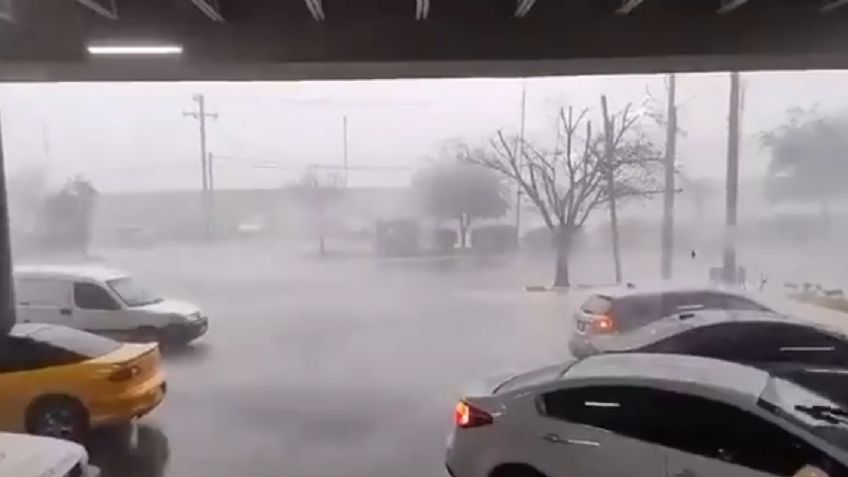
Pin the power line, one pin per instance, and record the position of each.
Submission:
(259, 163)
(325, 102)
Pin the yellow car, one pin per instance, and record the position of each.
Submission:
(61, 382)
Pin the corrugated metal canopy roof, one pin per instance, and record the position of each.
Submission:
(264, 39)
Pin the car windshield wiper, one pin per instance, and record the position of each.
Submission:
(831, 415)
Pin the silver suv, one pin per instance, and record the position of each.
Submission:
(622, 310)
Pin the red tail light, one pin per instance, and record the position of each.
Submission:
(124, 374)
(603, 324)
(467, 416)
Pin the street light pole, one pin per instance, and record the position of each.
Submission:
(668, 195)
(519, 150)
(344, 149)
(730, 271)
(7, 307)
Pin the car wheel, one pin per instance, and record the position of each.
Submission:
(59, 417)
(516, 470)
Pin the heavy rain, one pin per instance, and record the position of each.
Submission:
(364, 250)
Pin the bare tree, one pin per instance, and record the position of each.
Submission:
(586, 170)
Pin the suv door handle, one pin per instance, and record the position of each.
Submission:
(65, 311)
(554, 439)
(684, 473)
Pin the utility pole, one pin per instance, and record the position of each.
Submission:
(668, 193)
(609, 153)
(211, 183)
(200, 114)
(7, 307)
(46, 138)
(732, 183)
(520, 144)
(344, 148)
(211, 176)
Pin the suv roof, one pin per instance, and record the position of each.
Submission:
(658, 289)
(671, 325)
(732, 380)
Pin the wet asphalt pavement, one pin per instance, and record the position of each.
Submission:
(326, 367)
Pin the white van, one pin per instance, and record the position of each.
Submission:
(36, 456)
(103, 301)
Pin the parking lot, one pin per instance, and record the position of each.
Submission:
(326, 367)
(343, 366)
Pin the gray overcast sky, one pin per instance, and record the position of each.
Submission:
(132, 136)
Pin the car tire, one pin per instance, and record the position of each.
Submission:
(61, 417)
(516, 470)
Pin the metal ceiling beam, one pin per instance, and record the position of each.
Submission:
(106, 8)
(523, 7)
(628, 6)
(831, 5)
(6, 11)
(210, 8)
(728, 6)
(316, 8)
(422, 9)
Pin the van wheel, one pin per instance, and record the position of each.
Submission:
(147, 334)
(60, 417)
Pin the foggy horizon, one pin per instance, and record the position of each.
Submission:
(134, 137)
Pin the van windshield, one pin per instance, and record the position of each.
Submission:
(132, 293)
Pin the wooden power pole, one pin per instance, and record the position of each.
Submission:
(201, 115)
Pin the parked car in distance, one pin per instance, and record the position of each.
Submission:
(61, 382)
(623, 309)
(103, 301)
(34, 456)
(804, 352)
(646, 415)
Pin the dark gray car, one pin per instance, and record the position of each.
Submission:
(622, 310)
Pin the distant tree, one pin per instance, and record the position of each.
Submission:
(584, 172)
(26, 189)
(808, 158)
(457, 190)
(318, 192)
(67, 216)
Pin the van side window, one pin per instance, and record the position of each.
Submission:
(89, 296)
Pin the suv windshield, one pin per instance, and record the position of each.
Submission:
(132, 293)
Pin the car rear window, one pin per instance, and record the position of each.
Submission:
(79, 342)
(631, 312)
(596, 305)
